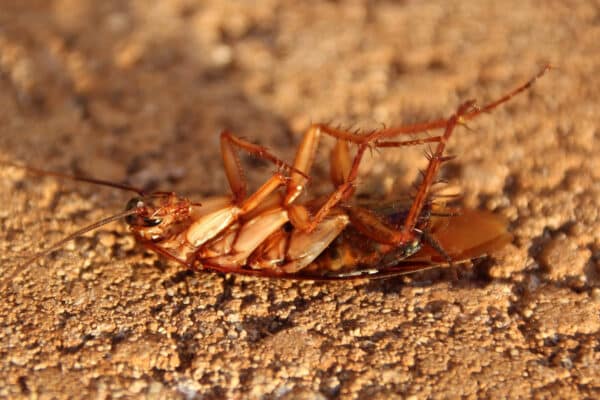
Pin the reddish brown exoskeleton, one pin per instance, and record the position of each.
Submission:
(272, 233)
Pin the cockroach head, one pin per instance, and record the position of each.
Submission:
(143, 218)
(158, 209)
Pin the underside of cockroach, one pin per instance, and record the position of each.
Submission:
(272, 233)
(267, 244)
(276, 232)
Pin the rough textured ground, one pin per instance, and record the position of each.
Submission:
(137, 91)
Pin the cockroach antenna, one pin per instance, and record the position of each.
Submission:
(7, 277)
(41, 172)
(56, 246)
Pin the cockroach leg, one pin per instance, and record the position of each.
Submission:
(340, 160)
(342, 192)
(208, 226)
(341, 166)
(442, 123)
(437, 246)
(159, 250)
(403, 143)
(302, 163)
(367, 222)
(232, 165)
(263, 192)
(406, 232)
(343, 171)
(490, 106)
(233, 168)
(374, 136)
(371, 137)
(371, 225)
(340, 163)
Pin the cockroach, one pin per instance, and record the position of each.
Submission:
(271, 233)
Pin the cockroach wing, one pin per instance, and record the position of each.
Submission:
(469, 235)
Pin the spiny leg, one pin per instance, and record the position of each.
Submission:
(295, 183)
(343, 175)
(211, 224)
(406, 233)
(372, 136)
(344, 179)
(233, 168)
(399, 240)
(342, 193)
(465, 112)
(371, 225)
(442, 123)
(404, 143)
(340, 160)
(340, 164)
(425, 126)
(428, 154)
(343, 170)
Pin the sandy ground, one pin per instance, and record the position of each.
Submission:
(137, 92)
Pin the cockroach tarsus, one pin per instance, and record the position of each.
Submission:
(270, 233)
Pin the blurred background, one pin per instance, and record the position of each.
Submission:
(137, 92)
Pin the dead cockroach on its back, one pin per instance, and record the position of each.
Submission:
(271, 233)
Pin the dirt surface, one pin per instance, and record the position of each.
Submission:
(137, 92)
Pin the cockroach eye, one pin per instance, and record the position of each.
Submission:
(149, 222)
(135, 219)
(135, 202)
(138, 220)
